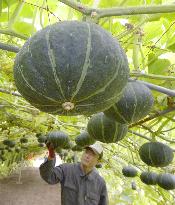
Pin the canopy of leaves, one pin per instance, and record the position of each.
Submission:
(149, 42)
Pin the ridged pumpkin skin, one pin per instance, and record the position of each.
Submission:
(106, 130)
(58, 138)
(84, 139)
(129, 171)
(166, 181)
(135, 104)
(71, 68)
(149, 178)
(156, 154)
(41, 138)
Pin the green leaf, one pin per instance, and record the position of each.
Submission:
(108, 4)
(152, 31)
(24, 28)
(171, 45)
(159, 67)
(27, 11)
(155, 1)
(86, 2)
(0, 7)
(18, 117)
(8, 3)
(4, 17)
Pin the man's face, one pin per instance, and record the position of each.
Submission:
(89, 158)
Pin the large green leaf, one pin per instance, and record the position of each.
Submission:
(24, 28)
(152, 32)
(27, 11)
(8, 3)
(154, 2)
(4, 17)
(159, 67)
(108, 4)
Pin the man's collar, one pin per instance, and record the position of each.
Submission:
(89, 175)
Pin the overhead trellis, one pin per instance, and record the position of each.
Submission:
(145, 31)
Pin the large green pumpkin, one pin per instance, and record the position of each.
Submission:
(166, 181)
(156, 154)
(106, 130)
(58, 139)
(84, 139)
(129, 171)
(149, 178)
(71, 68)
(134, 104)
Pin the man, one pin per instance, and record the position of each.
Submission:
(80, 182)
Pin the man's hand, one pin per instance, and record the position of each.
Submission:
(51, 150)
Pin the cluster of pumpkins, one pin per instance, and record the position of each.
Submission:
(164, 180)
(78, 68)
(17, 146)
(154, 154)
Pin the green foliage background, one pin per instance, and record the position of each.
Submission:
(149, 43)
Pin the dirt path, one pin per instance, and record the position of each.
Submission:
(32, 191)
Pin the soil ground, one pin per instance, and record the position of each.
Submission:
(32, 191)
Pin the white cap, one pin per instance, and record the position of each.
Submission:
(97, 148)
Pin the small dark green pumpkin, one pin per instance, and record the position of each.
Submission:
(23, 140)
(166, 181)
(129, 171)
(98, 166)
(9, 143)
(71, 68)
(133, 185)
(38, 134)
(84, 139)
(106, 130)
(156, 154)
(58, 138)
(135, 103)
(41, 138)
(149, 178)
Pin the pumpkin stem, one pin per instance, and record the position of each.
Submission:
(68, 106)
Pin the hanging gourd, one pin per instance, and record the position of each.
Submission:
(135, 103)
(71, 68)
